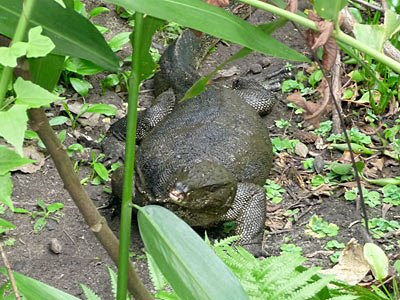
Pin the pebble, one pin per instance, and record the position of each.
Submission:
(265, 62)
(55, 246)
(256, 68)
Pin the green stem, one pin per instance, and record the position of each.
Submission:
(126, 207)
(337, 34)
(18, 37)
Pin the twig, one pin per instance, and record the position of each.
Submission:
(370, 5)
(336, 90)
(9, 272)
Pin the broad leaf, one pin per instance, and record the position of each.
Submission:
(38, 44)
(9, 160)
(81, 86)
(13, 124)
(46, 70)
(32, 95)
(72, 33)
(9, 55)
(189, 265)
(147, 64)
(104, 109)
(33, 289)
(118, 41)
(82, 66)
(5, 226)
(377, 260)
(215, 21)
(372, 35)
(6, 186)
(329, 9)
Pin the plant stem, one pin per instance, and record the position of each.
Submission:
(126, 206)
(337, 34)
(18, 36)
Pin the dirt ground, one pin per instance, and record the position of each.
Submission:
(83, 260)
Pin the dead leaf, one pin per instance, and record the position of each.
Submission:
(319, 144)
(301, 149)
(227, 72)
(320, 252)
(323, 38)
(385, 209)
(323, 189)
(345, 158)
(352, 266)
(292, 6)
(32, 153)
(219, 3)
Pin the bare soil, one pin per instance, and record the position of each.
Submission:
(82, 259)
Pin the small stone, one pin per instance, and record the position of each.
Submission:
(55, 246)
(256, 68)
(265, 62)
(301, 149)
(319, 164)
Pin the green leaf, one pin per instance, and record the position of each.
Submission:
(59, 120)
(9, 55)
(193, 13)
(392, 24)
(80, 86)
(33, 289)
(110, 81)
(13, 124)
(82, 66)
(377, 260)
(341, 169)
(98, 10)
(89, 294)
(40, 223)
(101, 170)
(46, 70)
(79, 39)
(6, 187)
(119, 40)
(189, 265)
(33, 95)
(53, 207)
(38, 44)
(9, 160)
(372, 35)
(104, 109)
(329, 9)
(5, 226)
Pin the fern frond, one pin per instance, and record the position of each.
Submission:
(298, 280)
(310, 290)
(226, 242)
(345, 297)
(89, 294)
(113, 281)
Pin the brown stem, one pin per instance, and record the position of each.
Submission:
(336, 128)
(10, 273)
(97, 224)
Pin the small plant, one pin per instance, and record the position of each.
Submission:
(280, 145)
(282, 123)
(291, 248)
(380, 226)
(320, 228)
(355, 136)
(273, 191)
(334, 245)
(318, 180)
(46, 212)
(324, 128)
(391, 194)
(308, 163)
(297, 110)
(371, 198)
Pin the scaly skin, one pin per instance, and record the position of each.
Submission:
(207, 159)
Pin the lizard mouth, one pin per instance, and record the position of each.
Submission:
(176, 196)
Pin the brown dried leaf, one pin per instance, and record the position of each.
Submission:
(352, 266)
(292, 6)
(227, 72)
(32, 153)
(220, 3)
(330, 51)
(301, 149)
